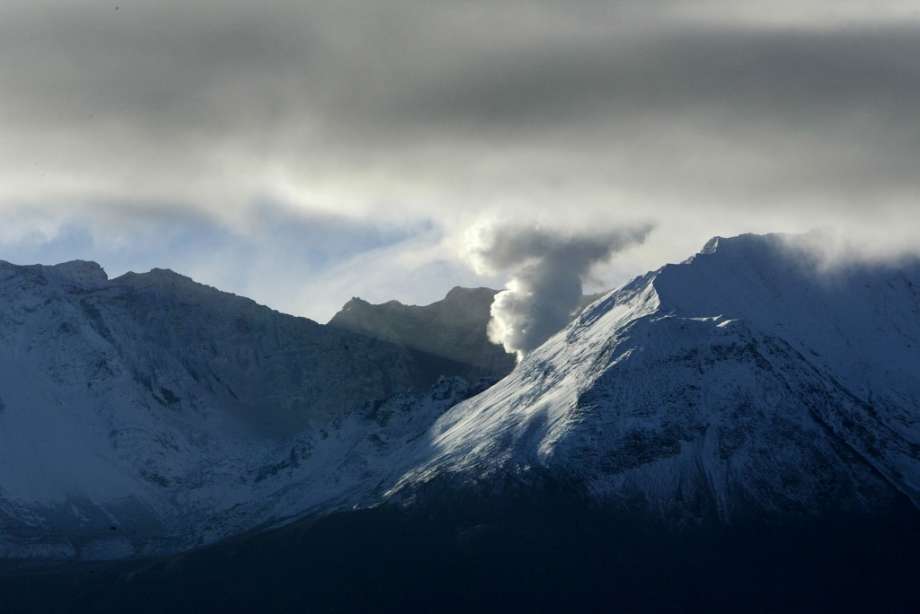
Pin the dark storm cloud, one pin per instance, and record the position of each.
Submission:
(750, 74)
(435, 68)
(842, 103)
(289, 77)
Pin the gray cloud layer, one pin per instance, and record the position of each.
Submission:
(708, 117)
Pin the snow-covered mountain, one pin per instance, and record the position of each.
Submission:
(749, 379)
(149, 414)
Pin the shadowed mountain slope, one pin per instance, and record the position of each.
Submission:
(452, 328)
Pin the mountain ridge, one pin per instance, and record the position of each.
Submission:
(747, 381)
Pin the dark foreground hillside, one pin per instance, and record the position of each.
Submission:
(521, 556)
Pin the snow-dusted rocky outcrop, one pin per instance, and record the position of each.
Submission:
(750, 378)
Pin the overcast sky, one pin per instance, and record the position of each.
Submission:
(302, 153)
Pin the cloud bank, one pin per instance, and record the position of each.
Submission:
(548, 269)
(419, 117)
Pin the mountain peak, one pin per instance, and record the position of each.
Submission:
(159, 277)
(355, 302)
(82, 272)
(711, 246)
(79, 272)
(747, 242)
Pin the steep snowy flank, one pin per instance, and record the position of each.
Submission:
(746, 379)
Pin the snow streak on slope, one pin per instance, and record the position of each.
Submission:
(743, 379)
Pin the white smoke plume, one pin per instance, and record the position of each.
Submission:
(548, 270)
